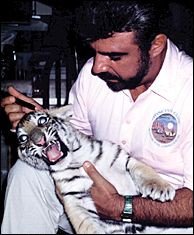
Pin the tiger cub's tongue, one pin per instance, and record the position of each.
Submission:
(53, 153)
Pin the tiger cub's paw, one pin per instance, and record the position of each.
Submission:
(158, 189)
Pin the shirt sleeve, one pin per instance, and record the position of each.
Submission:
(187, 141)
(188, 148)
(188, 163)
(78, 98)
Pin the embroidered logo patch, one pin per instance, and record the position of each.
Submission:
(164, 128)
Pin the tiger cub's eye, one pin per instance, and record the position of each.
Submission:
(43, 120)
(23, 138)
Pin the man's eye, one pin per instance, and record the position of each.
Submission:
(115, 58)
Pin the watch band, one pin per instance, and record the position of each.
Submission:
(126, 215)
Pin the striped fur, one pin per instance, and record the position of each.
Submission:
(38, 133)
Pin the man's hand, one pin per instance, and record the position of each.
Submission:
(15, 111)
(108, 202)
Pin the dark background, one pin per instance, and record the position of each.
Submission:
(180, 24)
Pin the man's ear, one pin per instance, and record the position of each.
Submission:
(158, 45)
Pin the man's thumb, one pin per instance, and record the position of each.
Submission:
(95, 176)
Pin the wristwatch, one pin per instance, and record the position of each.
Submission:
(126, 215)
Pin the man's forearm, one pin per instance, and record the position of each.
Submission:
(177, 213)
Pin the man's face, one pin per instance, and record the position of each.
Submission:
(119, 61)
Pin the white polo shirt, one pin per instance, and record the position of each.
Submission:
(157, 128)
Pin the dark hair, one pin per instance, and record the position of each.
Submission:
(101, 19)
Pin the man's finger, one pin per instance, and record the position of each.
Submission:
(95, 176)
(7, 100)
(12, 91)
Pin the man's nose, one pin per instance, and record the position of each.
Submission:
(100, 65)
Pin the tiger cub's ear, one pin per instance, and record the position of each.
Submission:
(64, 112)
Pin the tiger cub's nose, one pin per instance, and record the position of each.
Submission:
(38, 137)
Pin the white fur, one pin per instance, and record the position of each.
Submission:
(141, 178)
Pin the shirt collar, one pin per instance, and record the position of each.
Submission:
(164, 82)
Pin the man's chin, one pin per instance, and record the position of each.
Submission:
(116, 87)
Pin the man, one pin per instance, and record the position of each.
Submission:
(137, 92)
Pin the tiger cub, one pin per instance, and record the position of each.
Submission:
(48, 141)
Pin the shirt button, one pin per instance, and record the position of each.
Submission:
(123, 142)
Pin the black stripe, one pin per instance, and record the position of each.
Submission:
(128, 159)
(75, 177)
(92, 144)
(74, 150)
(74, 193)
(93, 212)
(71, 179)
(72, 168)
(98, 157)
(116, 156)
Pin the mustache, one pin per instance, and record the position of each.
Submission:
(108, 76)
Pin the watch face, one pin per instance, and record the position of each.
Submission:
(126, 216)
(128, 205)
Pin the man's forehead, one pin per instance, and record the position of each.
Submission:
(118, 42)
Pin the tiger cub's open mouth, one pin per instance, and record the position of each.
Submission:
(54, 152)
